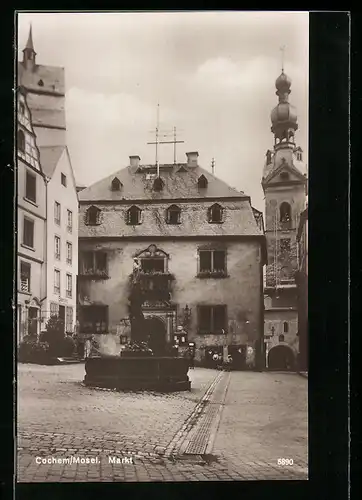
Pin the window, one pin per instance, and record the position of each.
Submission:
(30, 186)
(202, 182)
(212, 319)
(158, 184)
(41, 83)
(284, 176)
(93, 216)
(63, 179)
(22, 108)
(54, 309)
(212, 262)
(285, 213)
(69, 287)
(57, 247)
(25, 269)
(56, 281)
(299, 156)
(281, 338)
(28, 233)
(93, 319)
(116, 184)
(215, 213)
(69, 253)
(94, 263)
(173, 215)
(69, 221)
(133, 216)
(21, 141)
(69, 319)
(153, 264)
(57, 213)
(285, 327)
(285, 245)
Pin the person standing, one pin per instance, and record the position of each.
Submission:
(87, 347)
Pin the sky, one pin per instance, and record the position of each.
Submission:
(212, 73)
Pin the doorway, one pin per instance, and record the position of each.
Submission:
(281, 358)
(33, 321)
(155, 331)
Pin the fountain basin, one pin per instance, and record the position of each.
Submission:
(138, 373)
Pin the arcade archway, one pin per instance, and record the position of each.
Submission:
(281, 358)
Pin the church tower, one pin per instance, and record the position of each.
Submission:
(45, 94)
(284, 183)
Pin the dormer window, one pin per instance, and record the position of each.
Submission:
(284, 176)
(173, 215)
(158, 184)
(21, 141)
(215, 214)
(202, 182)
(116, 184)
(93, 216)
(133, 216)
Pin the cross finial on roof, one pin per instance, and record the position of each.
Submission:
(282, 49)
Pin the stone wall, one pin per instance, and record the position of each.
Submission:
(240, 290)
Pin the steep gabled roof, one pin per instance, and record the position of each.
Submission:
(49, 158)
(138, 186)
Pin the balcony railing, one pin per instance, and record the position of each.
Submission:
(94, 273)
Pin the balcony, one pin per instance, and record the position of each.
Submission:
(155, 285)
(94, 274)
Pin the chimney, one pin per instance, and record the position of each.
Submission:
(192, 159)
(134, 161)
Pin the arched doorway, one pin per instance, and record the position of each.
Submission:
(281, 358)
(155, 330)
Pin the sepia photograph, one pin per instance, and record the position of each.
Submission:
(162, 246)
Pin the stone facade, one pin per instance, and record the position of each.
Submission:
(225, 306)
(44, 171)
(62, 224)
(284, 183)
(240, 290)
(31, 255)
(302, 283)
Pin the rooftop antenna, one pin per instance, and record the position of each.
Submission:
(156, 140)
(174, 142)
(213, 166)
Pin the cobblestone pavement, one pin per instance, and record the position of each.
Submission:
(168, 437)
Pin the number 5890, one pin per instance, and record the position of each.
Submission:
(285, 461)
